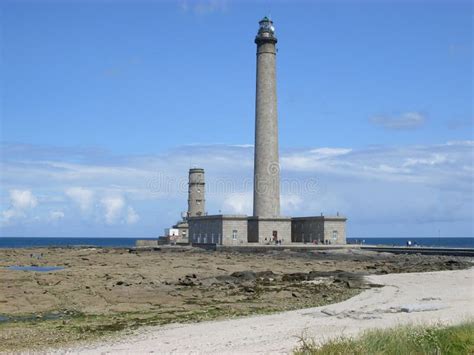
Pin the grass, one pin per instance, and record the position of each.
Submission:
(458, 339)
(37, 335)
(31, 333)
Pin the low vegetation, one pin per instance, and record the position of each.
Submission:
(38, 333)
(455, 340)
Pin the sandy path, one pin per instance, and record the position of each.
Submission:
(446, 296)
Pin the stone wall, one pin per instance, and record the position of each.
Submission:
(264, 228)
(234, 231)
(335, 230)
(146, 242)
(319, 229)
(204, 230)
(307, 230)
(218, 229)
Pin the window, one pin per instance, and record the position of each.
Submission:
(234, 234)
(334, 235)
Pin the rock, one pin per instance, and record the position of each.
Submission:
(265, 274)
(353, 284)
(210, 281)
(122, 283)
(186, 282)
(328, 312)
(297, 276)
(244, 275)
(431, 299)
(248, 289)
(421, 307)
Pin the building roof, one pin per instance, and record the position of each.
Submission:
(219, 216)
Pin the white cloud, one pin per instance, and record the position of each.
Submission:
(238, 203)
(22, 199)
(399, 185)
(20, 202)
(132, 216)
(408, 120)
(83, 197)
(113, 206)
(56, 215)
(290, 203)
(321, 153)
(11, 214)
(432, 159)
(242, 145)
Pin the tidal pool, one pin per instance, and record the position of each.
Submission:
(35, 268)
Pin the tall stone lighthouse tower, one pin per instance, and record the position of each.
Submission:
(266, 190)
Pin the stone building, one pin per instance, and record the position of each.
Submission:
(183, 231)
(196, 205)
(196, 193)
(266, 226)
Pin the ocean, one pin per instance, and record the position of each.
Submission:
(6, 242)
(130, 242)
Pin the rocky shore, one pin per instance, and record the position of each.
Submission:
(101, 291)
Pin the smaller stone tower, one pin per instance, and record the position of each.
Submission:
(196, 193)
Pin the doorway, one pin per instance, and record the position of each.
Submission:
(275, 236)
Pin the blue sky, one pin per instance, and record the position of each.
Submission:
(105, 105)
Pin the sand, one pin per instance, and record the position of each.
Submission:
(445, 297)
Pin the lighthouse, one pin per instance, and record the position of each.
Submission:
(266, 189)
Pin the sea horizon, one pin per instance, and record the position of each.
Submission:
(127, 242)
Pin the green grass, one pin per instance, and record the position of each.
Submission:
(39, 335)
(458, 339)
